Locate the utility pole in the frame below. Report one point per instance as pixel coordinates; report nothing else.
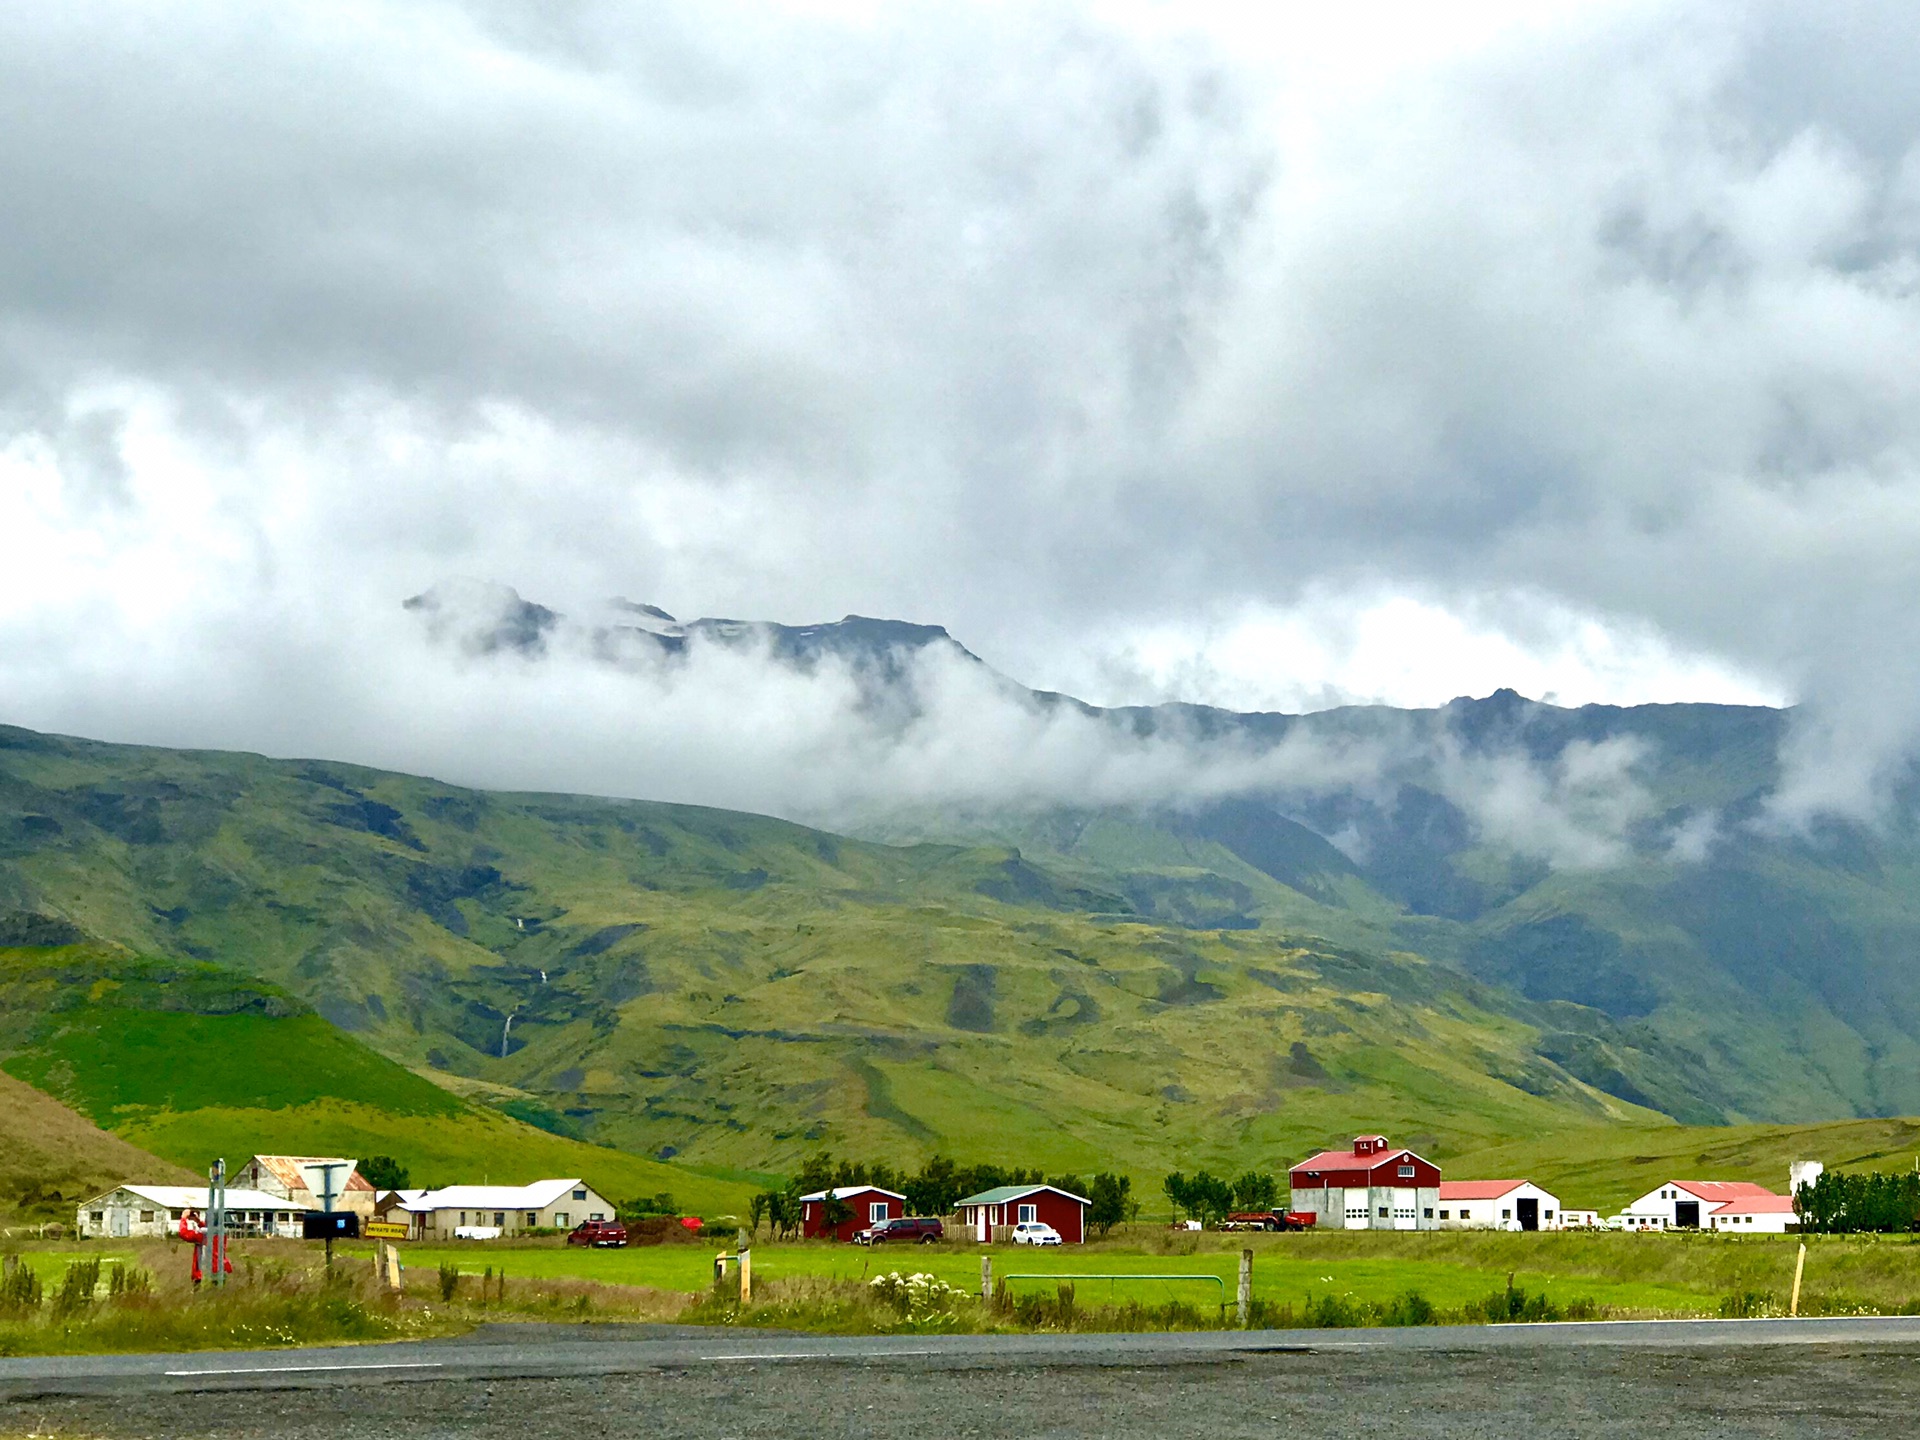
(213, 1244)
(327, 1192)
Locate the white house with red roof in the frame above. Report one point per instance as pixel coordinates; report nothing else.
(1497, 1205)
(1372, 1186)
(1755, 1215)
(1689, 1204)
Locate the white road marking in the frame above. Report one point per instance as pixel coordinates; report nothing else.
(309, 1369)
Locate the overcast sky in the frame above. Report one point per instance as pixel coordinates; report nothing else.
(1270, 355)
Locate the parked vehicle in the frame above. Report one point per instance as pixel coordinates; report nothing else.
(602, 1234)
(920, 1229)
(1035, 1232)
(1270, 1220)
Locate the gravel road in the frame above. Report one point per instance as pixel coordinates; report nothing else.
(1460, 1383)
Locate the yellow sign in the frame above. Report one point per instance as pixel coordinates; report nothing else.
(384, 1230)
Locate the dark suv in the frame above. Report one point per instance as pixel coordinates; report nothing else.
(606, 1234)
(923, 1228)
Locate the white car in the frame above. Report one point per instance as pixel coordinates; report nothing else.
(1035, 1232)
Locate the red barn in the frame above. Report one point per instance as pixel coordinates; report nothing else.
(1373, 1186)
(1066, 1212)
(866, 1205)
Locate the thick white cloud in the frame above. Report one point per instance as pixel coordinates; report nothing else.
(1269, 355)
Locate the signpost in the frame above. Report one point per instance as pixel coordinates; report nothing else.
(327, 1192)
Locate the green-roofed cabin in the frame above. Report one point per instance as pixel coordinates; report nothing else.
(991, 1214)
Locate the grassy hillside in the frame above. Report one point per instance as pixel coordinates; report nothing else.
(736, 991)
(51, 1157)
(185, 1061)
(1221, 987)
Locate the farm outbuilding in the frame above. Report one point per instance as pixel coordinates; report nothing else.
(1687, 1204)
(154, 1212)
(487, 1212)
(866, 1205)
(1498, 1205)
(989, 1214)
(1372, 1186)
(1755, 1215)
(303, 1179)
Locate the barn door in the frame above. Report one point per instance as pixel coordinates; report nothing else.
(1686, 1214)
(1529, 1210)
(121, 1221)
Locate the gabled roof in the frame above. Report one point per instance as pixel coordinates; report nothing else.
(841, 1192)
(286, 1169)
(536, 1196)
(1005, 1194)
(194, 1197)
(1757, 1205)
(1353, 1160)
(1479, 1189)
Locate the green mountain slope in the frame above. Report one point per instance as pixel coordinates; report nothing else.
(734, 990)
(188, 1060)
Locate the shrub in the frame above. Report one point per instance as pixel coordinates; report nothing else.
(449, 1279)
(918, 1297)
(19, 1287)
(77, 1289)
(1748, 1305)
(130, 1282)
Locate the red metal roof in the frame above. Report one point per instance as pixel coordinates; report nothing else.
(1757, 1205)
(1478, 1189)
(1720, 1191)
(1349, 1160)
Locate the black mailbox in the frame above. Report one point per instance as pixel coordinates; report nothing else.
(330, 1225)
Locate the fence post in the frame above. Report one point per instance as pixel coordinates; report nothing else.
(986, 1277)
(1245, 1295)
(1799, 1265)
(746, 1275)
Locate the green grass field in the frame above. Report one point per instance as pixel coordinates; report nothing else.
(1627, 1274)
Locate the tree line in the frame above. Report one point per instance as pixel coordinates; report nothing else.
(1876, 1200)
(1210, 1198)
(935, 1189)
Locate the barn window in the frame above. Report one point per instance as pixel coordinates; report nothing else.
(1549, 1214)
(580, 1194)
(1383, 1212)
(99, 1217)
(1465, 1216)
(876, 1211)
(1427, 1213)
(146, 1217)
(1029, 1213)
(1406, 1172)
(1506, 1214)
(1445, 1216)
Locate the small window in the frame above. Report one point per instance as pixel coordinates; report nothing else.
(146, 1217)
(99, 1217)
(499, 1217)
(560, 1218)
(1506, 1214)
(876, 1211)
(1029, 1213)
(1548, 1214)
(532, 1219)
(463, 1217)
(1383, 1212)
(1464, 1215)
(1445, 1216)
(580, 1194)
(598, 1215)
(1406, 1172)
(1428, 1213)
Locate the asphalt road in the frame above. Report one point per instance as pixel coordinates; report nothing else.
(1757, 1378)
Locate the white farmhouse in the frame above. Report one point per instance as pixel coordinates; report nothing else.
(155, 1211)
(1497, 1205)
(1687, 1204)
(486, 1212)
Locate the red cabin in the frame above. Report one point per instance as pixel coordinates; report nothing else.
(866, 1205)
(1007, 1206)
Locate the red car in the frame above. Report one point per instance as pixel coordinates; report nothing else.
(605, 1234)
